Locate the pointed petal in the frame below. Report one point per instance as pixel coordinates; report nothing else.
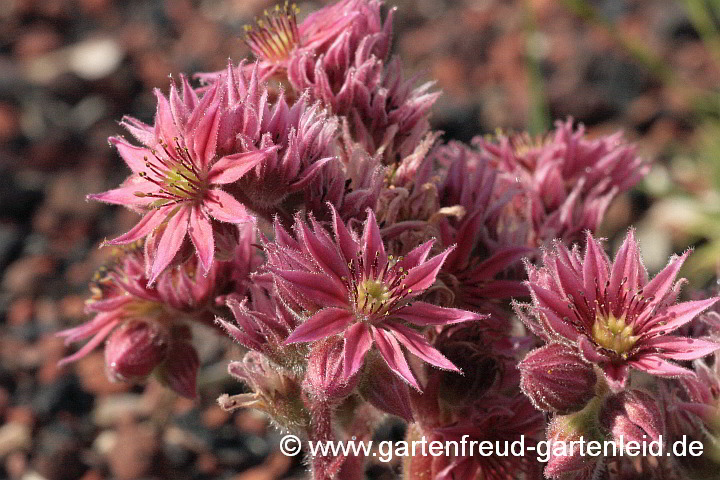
(310, 173)
(318, 288)
(674, 317)
(422, 314)
(323, 324)
(663, 281)
(324, 253)
(201, 234)
(170, 242)
(126, 195)
(134, 157)
(420, 347)
(90, 346)
(147, 224)
(224, 208)
(421, 277)
(143, 132)
(681, 348)
(556, 325)
(205, 131)
(416, 256)
(595, 268)
(372, 244)
(552, 301)
(625, 267)
(392, 352)
(656, 365)
(348, 245)
(231, 168)
(357, 343)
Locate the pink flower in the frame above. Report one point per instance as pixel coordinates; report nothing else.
(276, 38)
(263, 323)
(338, 55)
(568, 180)
(611, 313)
(298, 139)
(484, 265)
(145, 325)
(350, 286)
(177, 177)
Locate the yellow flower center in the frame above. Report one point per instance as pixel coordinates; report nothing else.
(613, 333)
(372, 295)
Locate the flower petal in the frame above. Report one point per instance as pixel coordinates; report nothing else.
(147, 224)
(317, 287)
(422, 314)
(663, 281)
(673, 317)
(323, 251)
(419, 346)
(323, 324)
(421, 277)
(135, 157)
(345, 240)
(416, 256)
(590, 351)
(231, 168)
(201, 234)
(170, 242)
(223, 207)
(595, 268)
(656, 365)
(681, 348)
(372, 245)
(357, 343)
(90, 345)
(392, 352)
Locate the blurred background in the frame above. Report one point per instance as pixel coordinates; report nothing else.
(69, 70)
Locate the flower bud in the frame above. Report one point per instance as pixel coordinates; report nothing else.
(275, 391)
(633, 414)
(135, 349)
(325, 377)
(556, 379)
(564, 434)
(179, 371)
(384, 390)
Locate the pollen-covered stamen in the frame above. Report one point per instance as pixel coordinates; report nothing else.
(176, 175)
(372, 295)
(274, 35)
(613, 333)
(381, 291)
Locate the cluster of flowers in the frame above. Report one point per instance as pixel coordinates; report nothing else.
(301, 205)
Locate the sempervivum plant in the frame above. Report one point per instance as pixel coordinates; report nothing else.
(300, 204)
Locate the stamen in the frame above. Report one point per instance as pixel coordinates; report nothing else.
(276, 33)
